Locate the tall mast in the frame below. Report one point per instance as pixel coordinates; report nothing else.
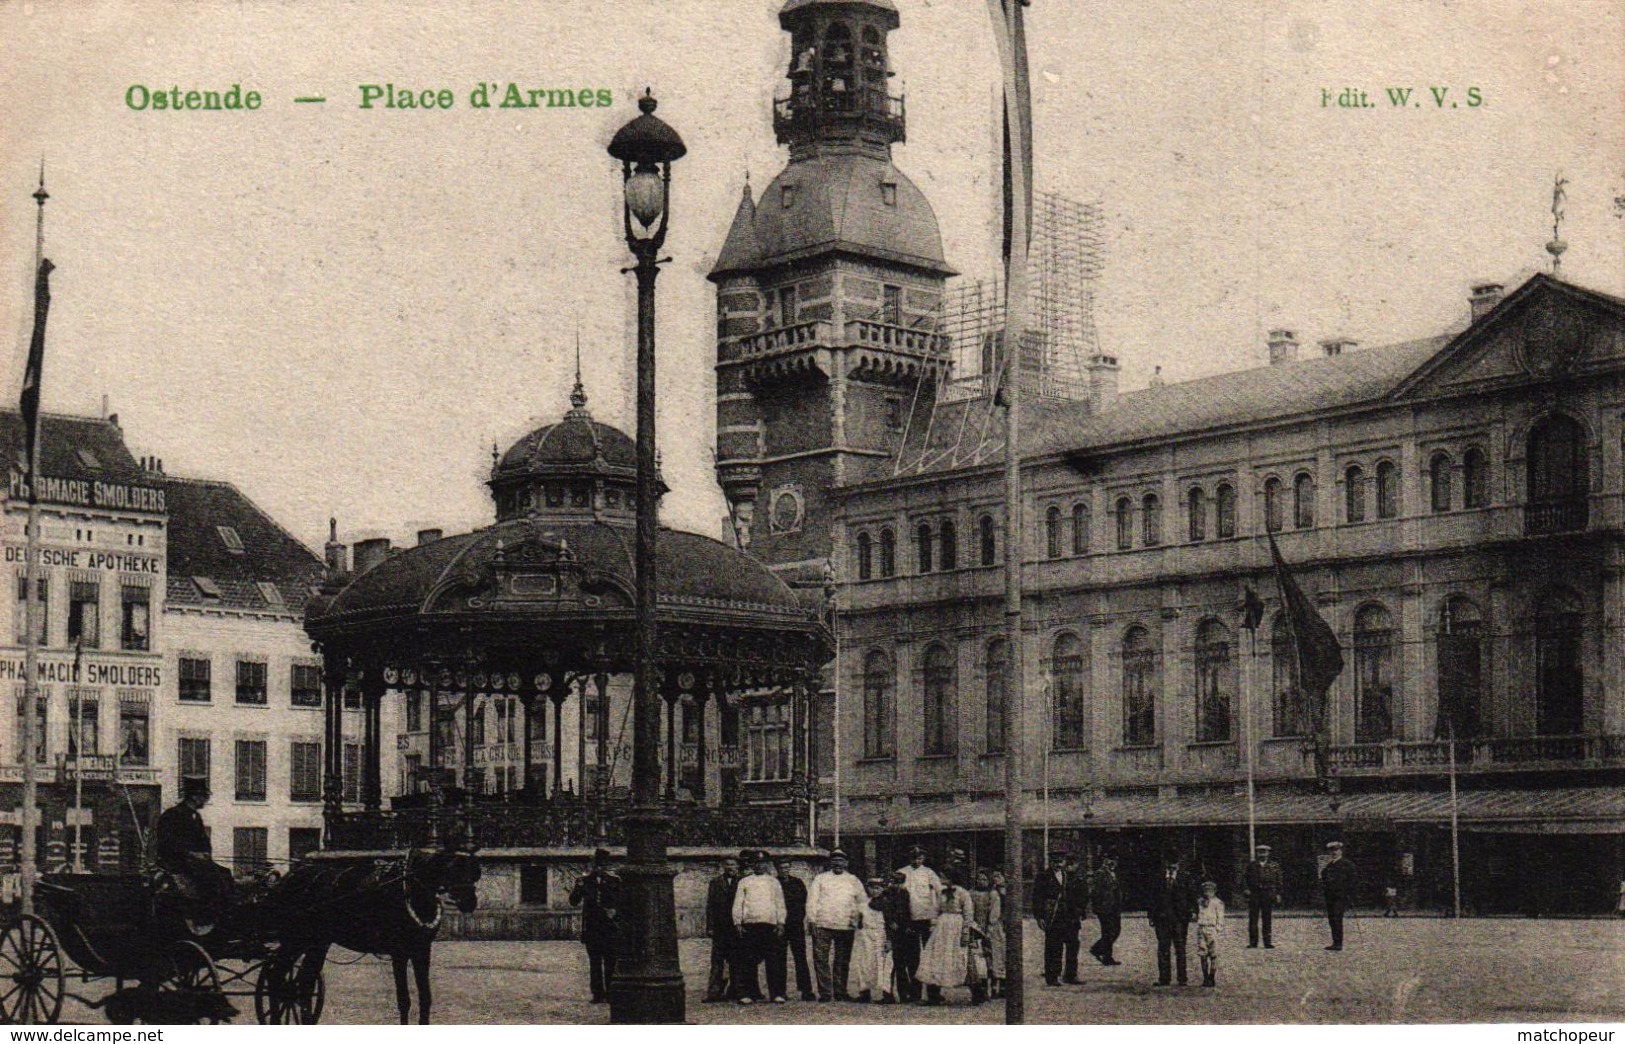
(27, 863)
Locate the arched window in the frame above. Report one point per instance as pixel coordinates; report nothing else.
(1373, 675)
(1151, 506)
(1196, 513)
(922, 547)
(1475, 478)
(1559, 670)
(1303, 501)
(878, 690)
(1354, 494)
(1140, 685)
(1125, 524)
(1387, 489)
(1224, 511)
(948, 536)
(866, 556)
(988, 539)
(1460, 669)
(1215, 682)
(888, 553)
(1080, 529)
(1439, 482)
(937, 687)
(1052, 532)
(1291, 714)
(998, 685)
(1272, 504)
(1066, 694)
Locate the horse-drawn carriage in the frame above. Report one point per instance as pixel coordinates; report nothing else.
(167, 966)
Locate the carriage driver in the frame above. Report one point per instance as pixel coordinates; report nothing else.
(184, 849)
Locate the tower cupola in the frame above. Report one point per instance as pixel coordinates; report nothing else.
(840, 95)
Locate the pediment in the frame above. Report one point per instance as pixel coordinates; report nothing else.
(1544, 331)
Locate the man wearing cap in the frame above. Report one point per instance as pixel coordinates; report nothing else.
(1337, 879)
(834, 910)
(598, 893)
(758, 913)
(795, 926)
(719, 926)
(1106, 896)
(922, 886)
(183, 848)
(1174, 901)
(1263, 887)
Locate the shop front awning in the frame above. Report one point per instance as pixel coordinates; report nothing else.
(1566, 810)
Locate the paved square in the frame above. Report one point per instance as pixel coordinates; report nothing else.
(1397, 970)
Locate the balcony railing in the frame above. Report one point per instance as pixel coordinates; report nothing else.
(831, 109)
(800, 335)
(1480, 755)
(885, 335)
(565, 825)
(1568, 515)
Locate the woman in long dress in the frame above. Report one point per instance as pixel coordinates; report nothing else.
(947, 957)
(987, 906)
(871, 972)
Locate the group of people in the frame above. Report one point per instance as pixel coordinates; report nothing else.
(886, 940)
(911, 935)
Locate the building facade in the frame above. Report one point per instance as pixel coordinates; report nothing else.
(1452, 505)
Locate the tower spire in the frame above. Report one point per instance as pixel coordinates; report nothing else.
(40, 196)
(578, 394)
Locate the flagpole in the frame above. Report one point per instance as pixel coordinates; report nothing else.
(1251, 741)
(27, 863)
(1009, 35)
(1455, 828)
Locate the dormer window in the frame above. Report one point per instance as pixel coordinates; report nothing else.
(269, 592)
(88, 459)
(207, 587)
(787, 196)
(229, 537)
(888, 193)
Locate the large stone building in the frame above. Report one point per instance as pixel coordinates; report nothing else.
(1453, 506)
(170, 643)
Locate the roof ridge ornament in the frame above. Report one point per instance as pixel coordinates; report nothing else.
(578, 394)
(1555, 246)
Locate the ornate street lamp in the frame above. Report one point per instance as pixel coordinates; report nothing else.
(648, 984)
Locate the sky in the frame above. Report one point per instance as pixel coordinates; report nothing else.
(340, 310)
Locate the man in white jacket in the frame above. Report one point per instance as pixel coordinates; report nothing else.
(835, 905)
(759, 915)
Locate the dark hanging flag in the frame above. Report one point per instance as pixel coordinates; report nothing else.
(1252, 609)
(1320, 658)
(36, 363)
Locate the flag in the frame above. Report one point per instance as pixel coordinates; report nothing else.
(1320, 658)
(29, 403)
(1252, 609)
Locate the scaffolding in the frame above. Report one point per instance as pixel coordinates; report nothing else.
(960, 426)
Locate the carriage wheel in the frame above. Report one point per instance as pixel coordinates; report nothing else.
(282, 994)
(31, 979)
(188, 969)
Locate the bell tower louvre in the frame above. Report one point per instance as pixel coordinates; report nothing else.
(829, 293)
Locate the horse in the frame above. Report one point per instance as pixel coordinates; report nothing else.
(391, 907)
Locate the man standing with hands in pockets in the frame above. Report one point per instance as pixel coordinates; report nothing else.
(759, 916)
(835, 905)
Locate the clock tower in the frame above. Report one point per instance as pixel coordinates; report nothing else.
(829, 291)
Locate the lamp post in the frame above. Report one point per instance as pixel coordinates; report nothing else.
(648, 984)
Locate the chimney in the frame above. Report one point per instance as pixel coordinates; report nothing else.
(1102, 382)
(1338, 345)
(1156, 378)
(1283, 347)
(335, 551)
(1484, 297)
(429, 536)
(369, 553)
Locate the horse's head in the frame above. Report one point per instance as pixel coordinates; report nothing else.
(451, 872)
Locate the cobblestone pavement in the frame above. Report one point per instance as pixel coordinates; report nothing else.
(1396, 970)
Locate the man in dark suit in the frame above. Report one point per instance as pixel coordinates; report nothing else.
(795, 927)
(1262, 883)
(1337, 879)
(1106, 896)
(598, 893)
(1173, 906)
(719, 926)
(1077, 908)
(1053, 895)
